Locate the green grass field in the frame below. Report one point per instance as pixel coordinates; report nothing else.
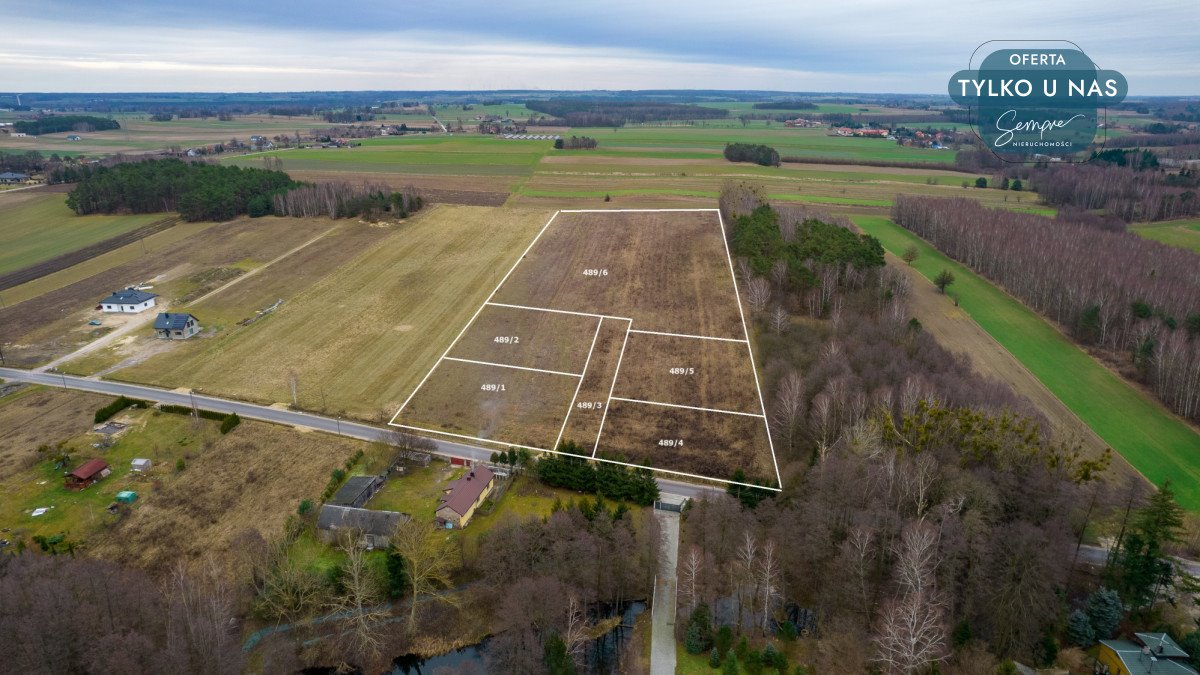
(1154, 441)
(1181, 233)
(37, 227)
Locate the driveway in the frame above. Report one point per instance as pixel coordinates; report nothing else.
(662, 626)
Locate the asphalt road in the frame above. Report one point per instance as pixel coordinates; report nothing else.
(662, 626)
(293, 418)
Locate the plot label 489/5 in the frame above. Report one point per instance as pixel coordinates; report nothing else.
(681, 370)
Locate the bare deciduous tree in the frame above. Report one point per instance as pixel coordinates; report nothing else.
(430, 556)
(691, 570)
(359, 600)
(779, 320)
(758, 294)
(769, 582)
(789, 406)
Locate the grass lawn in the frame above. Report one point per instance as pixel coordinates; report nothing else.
(35, 227)
(1155, 442)
(416, 492)
(1180, 233)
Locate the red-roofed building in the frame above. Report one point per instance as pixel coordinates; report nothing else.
(463, 496)
(89, 472)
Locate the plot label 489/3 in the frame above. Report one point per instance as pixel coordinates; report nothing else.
(590, 405)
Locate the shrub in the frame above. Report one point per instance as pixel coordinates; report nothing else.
(231, 420)
(981, 182)
(695, 641)
(104, 414)
(1079, 629)
(180, 464)
(305, 507)
(724, 639)
(762, 155)
(730, 667)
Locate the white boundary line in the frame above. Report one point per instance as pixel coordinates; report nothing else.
(571, 405)
(488, 301)
(687, 407)
(475, 316)
(749, 348)
(613, 386)
(557, 311)
(594, 459)
(505, 365)
(684, 335)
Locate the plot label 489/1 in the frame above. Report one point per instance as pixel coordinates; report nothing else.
(491, 386)
(507, 339)
(595, 272)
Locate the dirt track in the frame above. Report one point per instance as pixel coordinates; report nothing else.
(955, 330)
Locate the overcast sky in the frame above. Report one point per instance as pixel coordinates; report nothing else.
(795, 45)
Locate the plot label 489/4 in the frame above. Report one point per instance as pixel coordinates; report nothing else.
(671, 442)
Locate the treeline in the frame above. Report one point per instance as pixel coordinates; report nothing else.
(794, 104)
(929, 500)
(606, 479)
(53, 124)
(343, 200)
(196, 190)
(64, 614)
(800, 250)
(1111, 289)
(788, 159)
(575, 143)
(1124, 191)
(748, 152)
(591, 113)
(24, 162)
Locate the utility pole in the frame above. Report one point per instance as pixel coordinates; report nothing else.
(339, 425)
(195, 411)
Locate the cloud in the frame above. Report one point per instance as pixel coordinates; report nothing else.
(227, 45)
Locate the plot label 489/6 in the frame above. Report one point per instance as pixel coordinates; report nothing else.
(595, 272)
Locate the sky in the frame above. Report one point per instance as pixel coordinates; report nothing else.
(786, 45)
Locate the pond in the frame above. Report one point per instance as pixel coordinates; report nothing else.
(603, 654)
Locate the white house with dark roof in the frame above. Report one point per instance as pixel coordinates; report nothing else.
(128, 301)
(176, 326)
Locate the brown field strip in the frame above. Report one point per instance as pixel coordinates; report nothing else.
(522, 337)
(666, 270)
(642, 303)
(486, 402)
(687, 441)
(688, 371)
(583, 422)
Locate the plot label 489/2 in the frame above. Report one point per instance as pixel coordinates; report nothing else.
(507, 339)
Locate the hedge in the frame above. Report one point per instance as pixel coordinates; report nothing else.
(228, 420)
(104, 414)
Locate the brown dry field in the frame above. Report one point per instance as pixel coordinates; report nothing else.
(715, 445)
(955, 330)
(33, 416)
(529, 411)
(583, 424)
(461, 189)
(55, 323)
(252, 478)
(721, 380)
(545, 340)
(668, 271)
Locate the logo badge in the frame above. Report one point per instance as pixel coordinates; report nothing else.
(1038, 103)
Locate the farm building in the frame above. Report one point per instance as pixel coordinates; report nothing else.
(376, 527)
(176, 326)
(12, 178)
(1149, 653)
(141, 465)
(129, 301)
(89, 472)
(357, 491)
(464, 496)
(74, 137)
